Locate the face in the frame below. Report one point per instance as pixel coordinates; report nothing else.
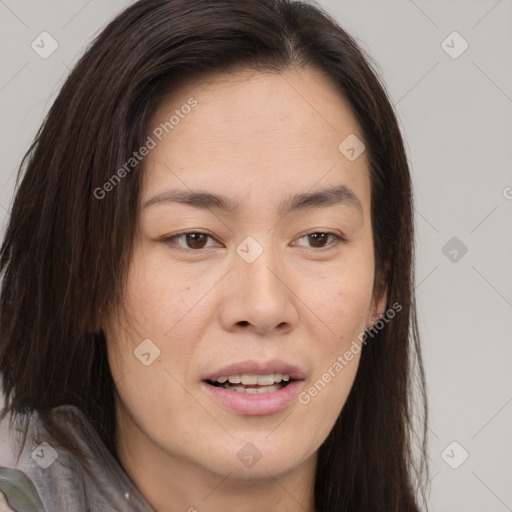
(272, 281)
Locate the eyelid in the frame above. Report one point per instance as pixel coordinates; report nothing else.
(339, 239)
(169, 239)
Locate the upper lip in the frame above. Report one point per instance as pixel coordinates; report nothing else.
(253, 367)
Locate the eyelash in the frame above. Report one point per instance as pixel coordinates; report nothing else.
(170, 240)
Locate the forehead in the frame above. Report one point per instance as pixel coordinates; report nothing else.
(267, 131)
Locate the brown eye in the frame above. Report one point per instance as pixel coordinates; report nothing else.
(193, 241)
(196, 240)
(318, 240)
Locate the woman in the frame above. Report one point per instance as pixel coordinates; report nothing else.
(207, 301)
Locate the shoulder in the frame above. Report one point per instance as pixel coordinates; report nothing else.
(31, 477)
(17, 492)
(64, 481)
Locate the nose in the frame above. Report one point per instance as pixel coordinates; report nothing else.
(259, 296)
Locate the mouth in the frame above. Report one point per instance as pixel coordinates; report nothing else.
(251, 388)
(252, 383)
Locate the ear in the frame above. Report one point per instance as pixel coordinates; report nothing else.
(377, 305)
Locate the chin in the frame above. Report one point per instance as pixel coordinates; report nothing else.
(246, 461)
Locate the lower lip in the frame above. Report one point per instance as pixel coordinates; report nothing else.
(257, 404)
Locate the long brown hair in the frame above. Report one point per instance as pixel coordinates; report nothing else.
(65, 252)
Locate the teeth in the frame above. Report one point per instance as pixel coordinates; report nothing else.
(251, 379)
(252, 391)
(247, 379)
(265, 380)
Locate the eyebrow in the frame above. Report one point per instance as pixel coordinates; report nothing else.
(331, 196)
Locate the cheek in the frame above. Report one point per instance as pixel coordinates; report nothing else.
(158, 307)
(159, 296)
(340, 299)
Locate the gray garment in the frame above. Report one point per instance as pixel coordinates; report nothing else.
(47, 478)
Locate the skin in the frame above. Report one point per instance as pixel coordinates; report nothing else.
(256, 138)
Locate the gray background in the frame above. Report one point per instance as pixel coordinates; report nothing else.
(456, 116)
